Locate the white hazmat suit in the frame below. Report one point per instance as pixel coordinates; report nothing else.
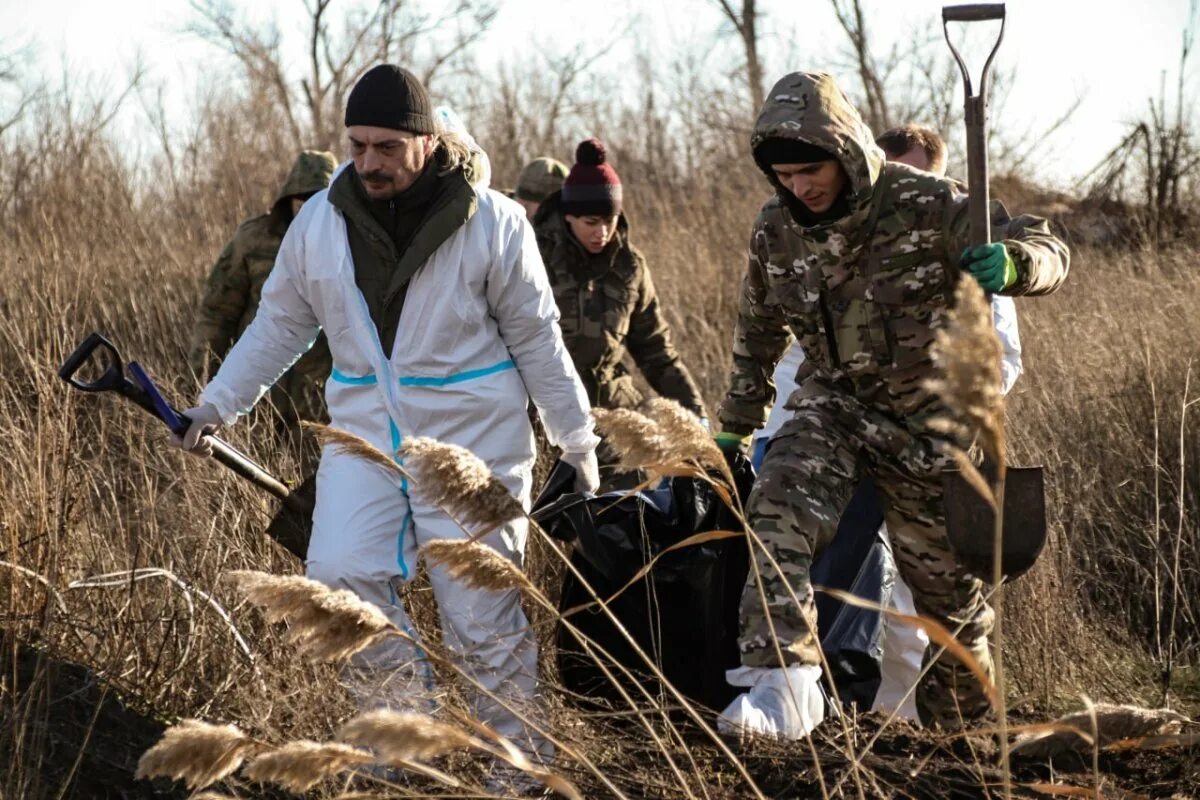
(478, 336)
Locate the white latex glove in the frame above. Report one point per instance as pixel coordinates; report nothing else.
(205, 419)
(786, 703)
(587, 470)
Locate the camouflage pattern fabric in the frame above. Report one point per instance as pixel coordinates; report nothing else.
(539, 179)
(234, 287)
(864, 296)
(810, 472)
(609, 308)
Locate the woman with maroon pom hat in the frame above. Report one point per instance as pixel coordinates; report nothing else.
(604, 292)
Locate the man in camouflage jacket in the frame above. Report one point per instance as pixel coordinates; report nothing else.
(235, 284)
(858, 260)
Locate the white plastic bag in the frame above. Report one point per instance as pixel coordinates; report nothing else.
(784, 702)
(903, 651)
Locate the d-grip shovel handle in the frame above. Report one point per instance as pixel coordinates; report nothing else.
(975, 108)
(973, 12)
(113, 380)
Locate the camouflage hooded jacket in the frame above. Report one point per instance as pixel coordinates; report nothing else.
(865, 293)
(608, 307)
(235, 283)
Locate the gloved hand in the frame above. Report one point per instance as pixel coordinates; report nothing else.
(731, 443)
(587, 470)
(205, 419)
(992, 266)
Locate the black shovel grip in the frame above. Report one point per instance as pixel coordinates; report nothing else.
(108, 381)
(973, 12)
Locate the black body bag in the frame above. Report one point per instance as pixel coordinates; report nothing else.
(683, 613)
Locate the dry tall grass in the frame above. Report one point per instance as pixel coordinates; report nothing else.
(93, 242)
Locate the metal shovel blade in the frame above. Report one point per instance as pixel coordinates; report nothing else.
(970, 522)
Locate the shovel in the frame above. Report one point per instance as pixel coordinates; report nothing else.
(970, 519)
(291, 527)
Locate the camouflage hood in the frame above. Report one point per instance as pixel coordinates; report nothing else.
(811, 108)
(310, 174)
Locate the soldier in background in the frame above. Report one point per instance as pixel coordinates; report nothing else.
(859, 260)
(538, 180)
(235, 284)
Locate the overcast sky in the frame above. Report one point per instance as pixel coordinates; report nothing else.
(1110, 52)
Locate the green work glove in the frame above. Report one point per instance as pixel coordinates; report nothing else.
(991, 265)
(731, 443)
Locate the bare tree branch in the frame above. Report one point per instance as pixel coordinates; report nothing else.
(746, 23)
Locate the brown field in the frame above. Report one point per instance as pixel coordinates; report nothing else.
(95, 242)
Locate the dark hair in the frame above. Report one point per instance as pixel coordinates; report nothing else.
(899, 141)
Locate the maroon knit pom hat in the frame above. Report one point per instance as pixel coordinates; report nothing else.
(592, 187)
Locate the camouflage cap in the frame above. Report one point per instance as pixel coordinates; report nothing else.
(310, 174)
(540, 178)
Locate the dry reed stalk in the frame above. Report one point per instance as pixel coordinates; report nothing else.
(456, 479)
(399, 737)
(325, 624)
(640, 442)
(196, 753)
(968, 355)
(683, 429)
(475, 564)
(298, 766)
(1111, 723)
(352, 445)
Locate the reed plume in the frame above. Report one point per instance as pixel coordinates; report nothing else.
(325, 624)
(298, 766)
(352, 445)
(968, 356)
(685, 432)
(456, 479)
(475, 564)
(400, 737)
(196, 753)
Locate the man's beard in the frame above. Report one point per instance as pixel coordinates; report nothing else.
(384, 190)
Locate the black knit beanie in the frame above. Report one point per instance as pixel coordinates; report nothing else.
(789, 151)
(388, 96)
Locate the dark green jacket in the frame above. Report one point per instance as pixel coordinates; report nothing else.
(390, 240)
(609, 308)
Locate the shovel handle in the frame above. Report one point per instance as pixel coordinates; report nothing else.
(242, 466)
(146, 397)
(973, 12)
(975, 108)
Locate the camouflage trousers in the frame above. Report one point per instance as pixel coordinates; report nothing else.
(807, 479)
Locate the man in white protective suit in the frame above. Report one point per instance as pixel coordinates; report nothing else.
(441, 323)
